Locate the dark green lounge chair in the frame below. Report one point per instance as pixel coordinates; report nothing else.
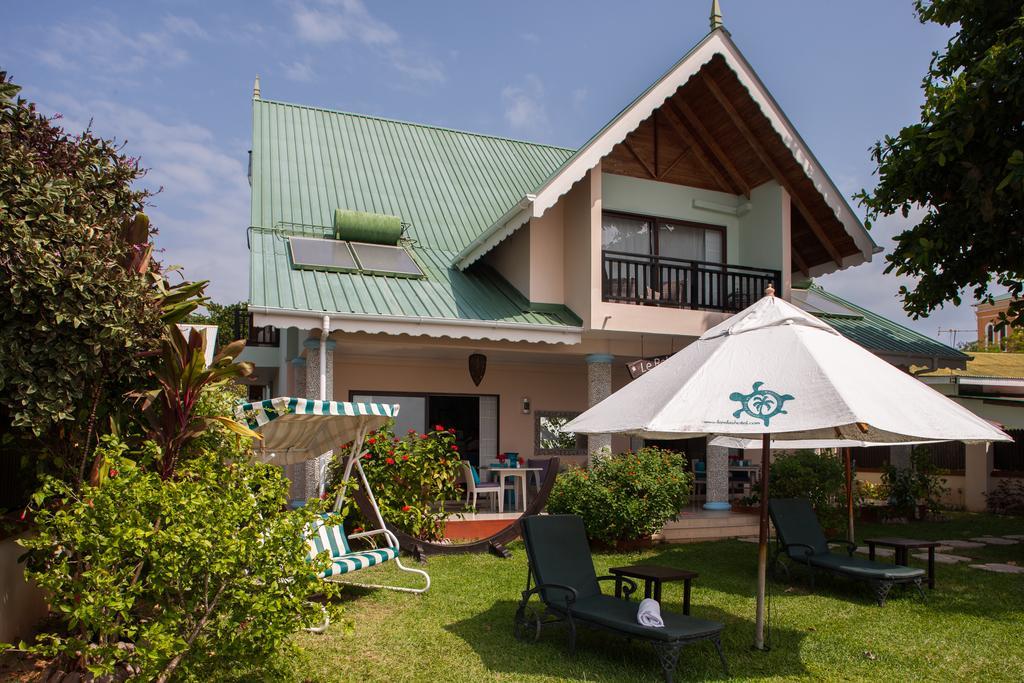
(562, 574)
(800, 538)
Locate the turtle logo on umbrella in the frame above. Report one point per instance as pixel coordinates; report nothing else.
(762, 404)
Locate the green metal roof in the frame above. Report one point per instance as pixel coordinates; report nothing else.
(449, 186)
(443, 292)
(878, 334)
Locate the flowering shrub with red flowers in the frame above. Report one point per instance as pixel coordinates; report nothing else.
(411, 478)
(626, 496)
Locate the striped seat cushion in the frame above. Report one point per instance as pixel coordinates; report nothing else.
(326, 538)
(353, 562)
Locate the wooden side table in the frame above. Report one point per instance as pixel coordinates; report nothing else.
(903, 546)
(653, 575)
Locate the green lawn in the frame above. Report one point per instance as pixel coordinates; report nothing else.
(971, 628)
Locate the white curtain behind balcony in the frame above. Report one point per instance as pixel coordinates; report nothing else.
(632, 235)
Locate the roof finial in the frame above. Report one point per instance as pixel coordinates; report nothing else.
(256, 88)
(769, 290)
(716, 16)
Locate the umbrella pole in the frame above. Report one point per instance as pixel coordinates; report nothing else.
(762, 544)
(849, 495)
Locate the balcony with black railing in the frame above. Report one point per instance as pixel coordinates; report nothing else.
(268, 335)
(651, 280)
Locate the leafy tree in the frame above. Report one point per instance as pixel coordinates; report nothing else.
(963, 164)
(221, 315)
(77, 310)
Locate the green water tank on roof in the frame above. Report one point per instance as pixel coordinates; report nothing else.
(360, 226)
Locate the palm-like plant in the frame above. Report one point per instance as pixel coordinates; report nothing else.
(182, 375)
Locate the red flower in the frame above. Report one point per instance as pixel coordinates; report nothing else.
(406, 508)
(397, 440)
(443, 461)
(391, 451)
(454, 447)
(438, 428)
(412, 431)
(24, 513)
(113, 473)
(371, 440)
(390, 461)
(451, 430)
(366, 456)
(358, 530)
(405, 457)
(424, 436)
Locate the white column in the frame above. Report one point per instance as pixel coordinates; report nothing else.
(717, 468)
(312, 346)
(599, 387)
(978, 462)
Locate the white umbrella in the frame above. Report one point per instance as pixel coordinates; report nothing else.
(772, 369)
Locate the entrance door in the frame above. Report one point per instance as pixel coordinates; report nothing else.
(463, 414)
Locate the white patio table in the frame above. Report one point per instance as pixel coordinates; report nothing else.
(505, 472)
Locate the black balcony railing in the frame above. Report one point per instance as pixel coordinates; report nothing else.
(268, 335)
(649, 280)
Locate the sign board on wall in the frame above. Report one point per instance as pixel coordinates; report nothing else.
(644, 365)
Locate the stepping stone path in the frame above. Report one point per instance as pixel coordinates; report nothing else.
(879, 552)
(1016, 537)
(963, 545)
(944, 558)
(999, 568)
(995, 540)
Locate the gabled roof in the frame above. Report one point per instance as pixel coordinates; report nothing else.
(875, 333)
(447, 185)
(716, 44)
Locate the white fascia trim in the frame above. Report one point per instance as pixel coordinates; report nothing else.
(992, 381)
(513, 219)
(417, 326)
(717, 42)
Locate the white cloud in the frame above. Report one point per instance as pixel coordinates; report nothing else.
(202, 211)
(579, 97)
(301, 72)
(524, 106)
(530, 37)
(324, 22)
(341, 20)
(102, 47)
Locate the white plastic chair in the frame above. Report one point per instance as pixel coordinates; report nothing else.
(473, 489)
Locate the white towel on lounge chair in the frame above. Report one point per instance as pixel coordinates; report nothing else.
(649, 614)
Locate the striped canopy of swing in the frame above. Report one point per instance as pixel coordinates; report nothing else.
(299, 429)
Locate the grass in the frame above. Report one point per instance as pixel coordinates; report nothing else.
(969, 629)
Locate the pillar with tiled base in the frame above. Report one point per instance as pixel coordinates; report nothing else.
(599, 387)
(297, 473)
(314, 467)
(717, 469)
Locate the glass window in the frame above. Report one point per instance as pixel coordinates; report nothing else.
(552, 439)
(412, 411)
(690, 242)
(623, 233)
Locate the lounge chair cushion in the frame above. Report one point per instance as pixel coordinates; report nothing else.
(325, 537)
(355, 561)
(865, 569)
(797, 526)
(559, 554)
(620, 615)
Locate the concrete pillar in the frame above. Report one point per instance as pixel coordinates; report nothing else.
(312, 347)
(599, 387)
(977, 475)
(717, 467)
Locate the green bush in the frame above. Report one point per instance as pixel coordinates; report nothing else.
(817, 477)
(411, 477)
(920, 484)
(624, 497)
(200, 575)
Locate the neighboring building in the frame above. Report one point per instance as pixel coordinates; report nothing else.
(992, 387)
(987, 316)
(558, 266)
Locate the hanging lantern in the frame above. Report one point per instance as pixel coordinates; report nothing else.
(477, 367)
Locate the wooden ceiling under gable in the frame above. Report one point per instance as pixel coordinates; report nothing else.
(711, 134)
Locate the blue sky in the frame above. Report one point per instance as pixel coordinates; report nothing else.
(175, 78)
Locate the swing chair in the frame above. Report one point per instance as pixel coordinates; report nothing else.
(296, 430)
